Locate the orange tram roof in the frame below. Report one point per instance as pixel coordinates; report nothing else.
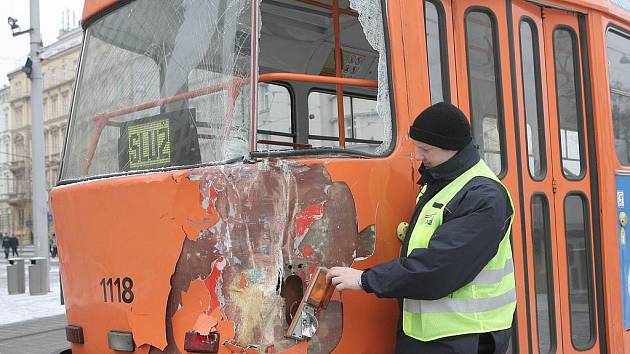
(617, 8)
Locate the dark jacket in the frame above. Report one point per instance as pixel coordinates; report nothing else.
(474, 223)
(13, 242)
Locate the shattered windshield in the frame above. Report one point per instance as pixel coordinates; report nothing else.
(162, 83)
(167, 83)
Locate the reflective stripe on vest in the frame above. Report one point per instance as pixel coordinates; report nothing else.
(491, 276)
(460, 305)
(485, 304)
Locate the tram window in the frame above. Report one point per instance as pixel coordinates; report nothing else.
(619, 80)
(435, 27)
(568, 96)
(531, 97)
(274, 116)
(200, 64)
(485, 112)
(364, 129)
(543, 273)
(576, 223)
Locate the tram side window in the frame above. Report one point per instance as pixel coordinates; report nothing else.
(364, 129)
(275, 124)
(619, 80)
(485, 110)
(568, 96)
(435, 27)
(533, 107)
(298, 43)
(579, 261)
(543, 274)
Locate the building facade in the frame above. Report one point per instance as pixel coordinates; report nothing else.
(5, 158)
(59, 63)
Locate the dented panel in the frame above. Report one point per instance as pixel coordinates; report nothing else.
(274, 220)
(224, 248)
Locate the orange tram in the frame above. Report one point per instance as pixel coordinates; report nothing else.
(207, 175)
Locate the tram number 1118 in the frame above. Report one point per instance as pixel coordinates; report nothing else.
(123, 290)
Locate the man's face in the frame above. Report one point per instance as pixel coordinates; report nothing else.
(430, 155)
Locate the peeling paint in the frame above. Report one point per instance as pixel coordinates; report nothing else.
(367, 243)
(273, 220)
(214, 282)
(303, 221)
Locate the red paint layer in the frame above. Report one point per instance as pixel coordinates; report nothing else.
(211, 282)
(306, 217)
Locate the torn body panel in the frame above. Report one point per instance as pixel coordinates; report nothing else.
(276, 223)
(227, 249)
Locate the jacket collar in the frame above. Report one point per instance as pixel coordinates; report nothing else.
(452, 168)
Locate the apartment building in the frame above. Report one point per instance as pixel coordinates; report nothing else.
(59, 63)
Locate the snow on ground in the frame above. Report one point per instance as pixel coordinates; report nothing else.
(22, 307)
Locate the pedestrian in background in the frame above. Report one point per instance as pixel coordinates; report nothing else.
(52, 242)
(14, 243)
(5, 245)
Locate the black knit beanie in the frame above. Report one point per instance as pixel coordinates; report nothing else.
(442, 125)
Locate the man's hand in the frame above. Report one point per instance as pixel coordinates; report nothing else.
(343, 278)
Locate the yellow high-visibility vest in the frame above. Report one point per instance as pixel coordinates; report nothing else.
(485, 304)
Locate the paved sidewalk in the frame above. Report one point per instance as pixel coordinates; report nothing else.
(39, 336)
(23, 307)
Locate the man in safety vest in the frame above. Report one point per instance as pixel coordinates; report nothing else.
(455, 275)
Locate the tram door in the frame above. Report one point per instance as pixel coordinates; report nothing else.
(556, 179)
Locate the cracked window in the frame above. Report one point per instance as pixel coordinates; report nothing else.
(162, 83)
(167, 83)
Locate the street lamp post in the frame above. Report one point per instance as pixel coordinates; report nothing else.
(39, 195)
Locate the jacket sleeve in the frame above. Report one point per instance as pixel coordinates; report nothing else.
(457, 252)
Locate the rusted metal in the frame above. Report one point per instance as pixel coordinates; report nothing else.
(276, 223)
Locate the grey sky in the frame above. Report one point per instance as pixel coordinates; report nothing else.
(14, 50)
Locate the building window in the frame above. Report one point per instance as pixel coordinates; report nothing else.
(45, 109)
(53, 107)
(55, 141)
(274, 116)
(19, 149)
(7, 185)
(65, 102)
(54, 174)
(18, 117)
(64, 72)
(486, 113)
(18, 89)
(43, 79)
(53, 76)
(21, 217)
(364, 128)
(435, 27)
(619, 81)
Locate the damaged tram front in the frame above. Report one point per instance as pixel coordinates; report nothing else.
(207, 176)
